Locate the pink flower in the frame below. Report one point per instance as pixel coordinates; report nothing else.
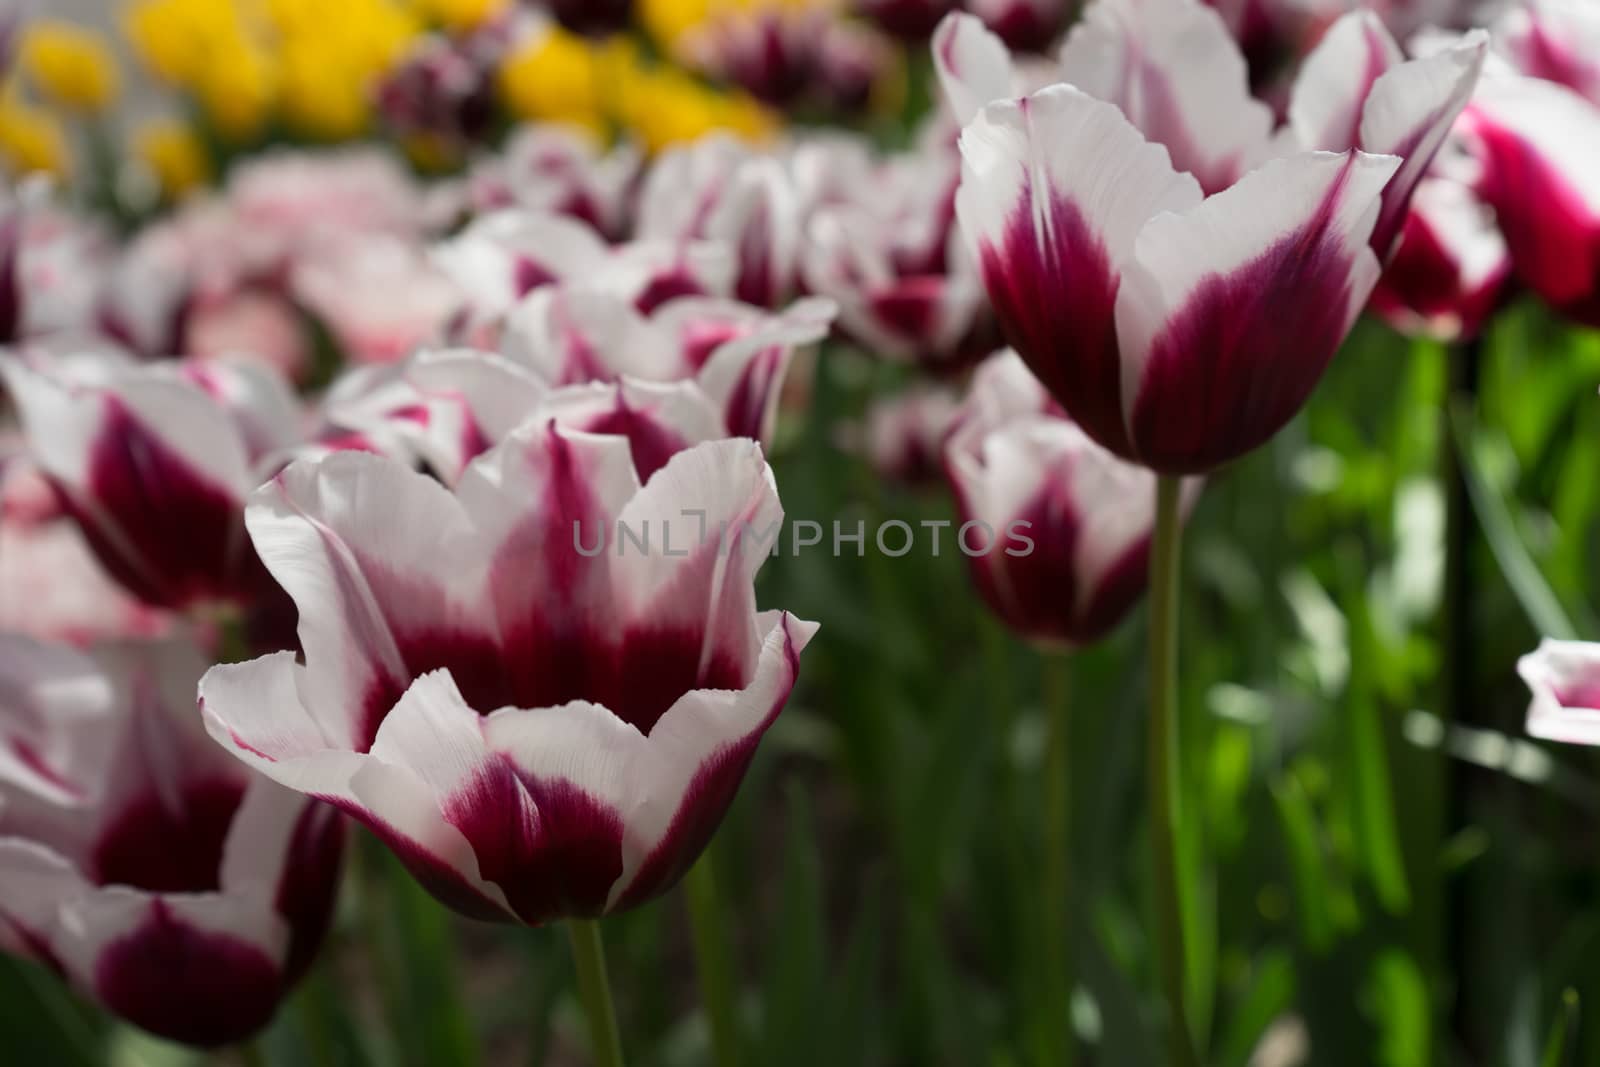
(1564, 677)
(910, 20)
(1067, 524)
(159, 877)
(903, 435)
(52, 266)
(249, 325)
(154, 463)
(536, 731)
(379, 296)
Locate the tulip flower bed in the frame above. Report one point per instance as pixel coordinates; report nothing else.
(794, 532)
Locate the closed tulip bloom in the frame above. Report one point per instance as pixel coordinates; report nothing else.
(539, 729)
(154, 462)
(1451, 269)
(1564, 677)
(1180, 332)
(592, 18)
(1541, 147)
(1068, 523)
(158, 876)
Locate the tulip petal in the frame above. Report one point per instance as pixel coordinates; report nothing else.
(692, 596)
(1055, 189)
(1231, 312)
(659, 419)
(1410, 111)
(699, 751)
(255, 711)
(538, 501)
(1331, 91)
(357, 540)
(1176, 73)
(974, 65)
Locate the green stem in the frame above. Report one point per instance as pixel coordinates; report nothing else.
(1163, 770)
(714, 960)
(595, 988)
(1056, 883)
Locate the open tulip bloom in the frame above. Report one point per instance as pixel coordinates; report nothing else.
(163, 879)
(1181, 330)
(541, 719)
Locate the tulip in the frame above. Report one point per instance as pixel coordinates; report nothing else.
(154, 462)
(736, 354)
(1542, 177)
(1564, 677)
(1070, 544)
(889, 255)
(1155, 315)
(719, 190)
(560, 170)
(441, 92)
(903, 436)
(378, 296)
(158, 876)
(1451, 268)
(536, 731)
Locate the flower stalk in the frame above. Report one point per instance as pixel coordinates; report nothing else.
(594, 987)
(1164, 769)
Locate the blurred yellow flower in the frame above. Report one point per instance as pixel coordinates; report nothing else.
(461, 14)
(176, 39)
(236, 85)
(70, 65)
(665, 106)
(32, 140)
(668, 20)
(173, 152)
(555, 77)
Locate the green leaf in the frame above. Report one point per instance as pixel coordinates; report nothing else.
(796, 974)
(42, 1022)
(1270, 993)
(1543, 608)
(1566, 1023)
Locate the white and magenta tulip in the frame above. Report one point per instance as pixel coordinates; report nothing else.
(1451, 269)
(538, 732)
(718, 189)
(1178, 331)
(155, 462)
(158, 876)
(1068, 523)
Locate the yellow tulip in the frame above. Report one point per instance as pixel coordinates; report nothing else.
(237, 85)
(32, 140)
(70, 65)
(174, 154)
(555, 78)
